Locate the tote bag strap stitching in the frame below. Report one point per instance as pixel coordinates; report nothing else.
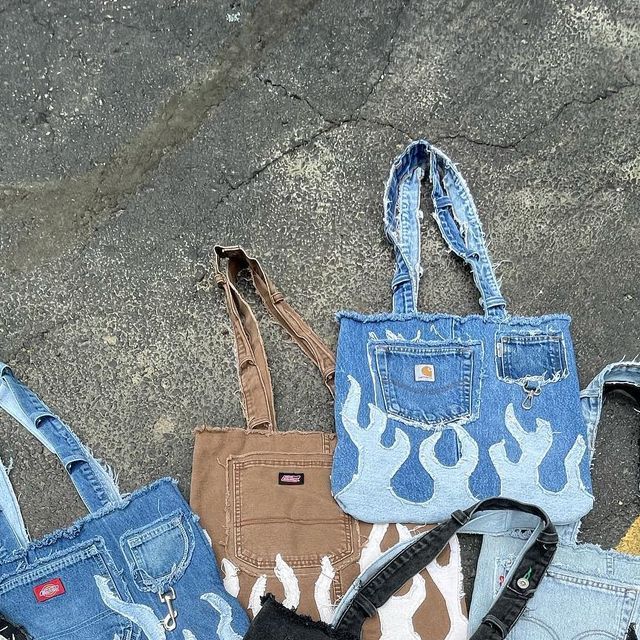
(251, 358)
(247, 333)
(297, 328)
(13, 533)
(456, 215)
(623, 375)
(94, 483)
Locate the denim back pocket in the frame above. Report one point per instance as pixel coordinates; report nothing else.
(427, 384)
(159, 553)
(299, 520)
(592, 608)
(522, 357)
(58, 598)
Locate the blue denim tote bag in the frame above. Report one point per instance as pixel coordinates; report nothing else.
(435, 411)
(138, 567)
(588, 593)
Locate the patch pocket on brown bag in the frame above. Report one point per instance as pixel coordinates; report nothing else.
(282, 504)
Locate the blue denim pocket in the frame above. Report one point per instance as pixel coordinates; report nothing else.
(539, 357)
(53, 589)
(427, 384)
(159, 553)
(597, 607)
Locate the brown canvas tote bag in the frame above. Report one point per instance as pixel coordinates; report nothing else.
(264, 496)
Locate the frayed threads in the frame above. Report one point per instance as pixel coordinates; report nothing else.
(431, 317)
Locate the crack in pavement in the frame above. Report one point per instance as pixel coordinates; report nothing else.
(64, 214)
(294, 96)
(381, 75)
(389, 55)
(603, 94)
(356, 117)
(331, 125)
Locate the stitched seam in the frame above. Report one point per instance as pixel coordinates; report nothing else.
(408, 416)
(301, 561)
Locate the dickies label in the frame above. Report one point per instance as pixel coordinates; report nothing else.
(292, 479)
(48, 590)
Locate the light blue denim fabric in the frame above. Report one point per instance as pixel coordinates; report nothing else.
(434, 411)
(138, 567)
(588, 593)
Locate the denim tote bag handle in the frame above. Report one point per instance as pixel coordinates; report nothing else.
(13, 533)
(93, 482)
(384, 577)
(255, 379)
(621, 376)
(457, 218)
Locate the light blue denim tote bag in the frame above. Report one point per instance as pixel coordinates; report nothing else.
(435, 411)
(588, 593)
(138, 567)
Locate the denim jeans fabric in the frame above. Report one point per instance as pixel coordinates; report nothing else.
(437, 411)
(137, 567)
(391, 571)
(588, 592)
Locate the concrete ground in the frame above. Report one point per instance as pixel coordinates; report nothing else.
(136, 135)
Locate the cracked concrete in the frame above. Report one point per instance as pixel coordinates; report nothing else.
(137, 136)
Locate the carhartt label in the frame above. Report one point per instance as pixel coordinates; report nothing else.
(425, 373)
(291, 478)
(48, 590)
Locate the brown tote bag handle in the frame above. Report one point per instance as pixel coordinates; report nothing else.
(253, 368)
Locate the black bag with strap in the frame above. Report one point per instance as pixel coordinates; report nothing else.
(9, 632)
(388, 574)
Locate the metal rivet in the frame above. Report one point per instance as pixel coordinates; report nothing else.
(523, 583)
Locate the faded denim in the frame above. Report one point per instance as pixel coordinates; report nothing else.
(588, 592)
(435, 411)
(138, 567)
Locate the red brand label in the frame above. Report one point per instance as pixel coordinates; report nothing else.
(48, 590)
(291, 478)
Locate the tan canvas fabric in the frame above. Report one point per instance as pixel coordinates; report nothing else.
(264, 496)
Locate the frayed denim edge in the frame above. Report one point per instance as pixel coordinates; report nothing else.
(74, 530)
(430, 317)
